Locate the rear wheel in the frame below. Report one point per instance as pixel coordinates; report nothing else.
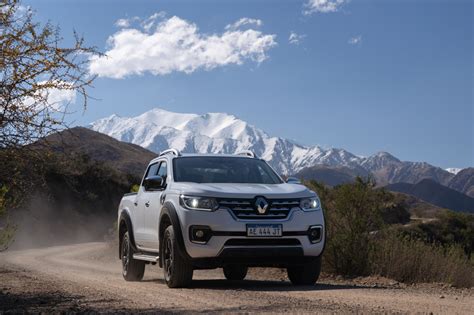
(235, 272)
(178, 272)
(305, 274)
(132, 269)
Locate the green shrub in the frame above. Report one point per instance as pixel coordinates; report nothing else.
(447, 228)
(6, 228)
(3, 201)
(352, 213)
(361, 240)
(135, 188)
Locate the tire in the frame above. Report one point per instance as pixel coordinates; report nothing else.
(178, 272)
(305, 274)
(132, 269)
(235, 272)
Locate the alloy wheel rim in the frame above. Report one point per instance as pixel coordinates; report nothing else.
(125, 255)
(168, 255)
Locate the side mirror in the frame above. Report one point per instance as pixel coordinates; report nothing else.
(153, 183)
(293, 180)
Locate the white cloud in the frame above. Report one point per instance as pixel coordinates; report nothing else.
(22, 9)
(148, 23)
(356, 40)
(243, 22)
(177, 45)
(54, 98)
(295, 38)
(122, 23)
(19, 11)
(57, 98)
(322, 6)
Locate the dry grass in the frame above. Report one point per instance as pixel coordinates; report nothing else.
(411, 261)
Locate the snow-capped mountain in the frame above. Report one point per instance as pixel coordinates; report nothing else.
(453, 170)
(159, 129)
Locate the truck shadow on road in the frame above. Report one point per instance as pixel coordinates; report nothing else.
(40, 303)
(265, 285)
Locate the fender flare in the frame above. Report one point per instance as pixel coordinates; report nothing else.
(325, 233)
(125, 218)
(169, 210)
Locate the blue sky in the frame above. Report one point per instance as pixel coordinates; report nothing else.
(366, 76)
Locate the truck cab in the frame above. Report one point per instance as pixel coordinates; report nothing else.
(204, 211)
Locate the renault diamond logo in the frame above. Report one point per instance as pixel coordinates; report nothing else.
(262, 205)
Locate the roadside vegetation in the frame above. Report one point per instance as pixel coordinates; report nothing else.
(369, 233)
(7, 228)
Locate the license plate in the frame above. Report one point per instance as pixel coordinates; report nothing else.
(264, 230)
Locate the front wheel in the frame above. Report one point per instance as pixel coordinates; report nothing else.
(235, 272)
(305, 274)
(132, 269)
(178, 272)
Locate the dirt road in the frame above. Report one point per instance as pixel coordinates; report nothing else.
(87, 277)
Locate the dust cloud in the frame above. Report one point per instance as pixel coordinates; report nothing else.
(44, 222)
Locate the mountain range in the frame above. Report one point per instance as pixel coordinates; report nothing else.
(436, 194)
(130, 160)
(159, 129)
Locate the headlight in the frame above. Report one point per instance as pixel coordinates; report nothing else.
(198, 203)
(310, 204)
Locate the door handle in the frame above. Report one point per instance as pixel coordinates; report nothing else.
(135, 203)
(147, 204)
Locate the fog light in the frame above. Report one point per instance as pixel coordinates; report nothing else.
(200, 234)
(314, 234)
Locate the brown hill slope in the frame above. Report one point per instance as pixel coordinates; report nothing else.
(434, 193)
(124, 157)
(330, 175)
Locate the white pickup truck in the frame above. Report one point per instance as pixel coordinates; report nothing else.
(202, 211)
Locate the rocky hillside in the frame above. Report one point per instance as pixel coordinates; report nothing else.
(464, 181)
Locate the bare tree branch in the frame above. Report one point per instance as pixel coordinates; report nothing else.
(33, 66)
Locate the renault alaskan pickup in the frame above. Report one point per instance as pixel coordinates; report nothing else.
(203, 211)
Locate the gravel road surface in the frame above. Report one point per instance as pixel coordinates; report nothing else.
(87, 277)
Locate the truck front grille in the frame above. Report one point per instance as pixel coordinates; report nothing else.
(246, 209)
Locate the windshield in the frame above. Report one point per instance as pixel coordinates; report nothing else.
(218, 169)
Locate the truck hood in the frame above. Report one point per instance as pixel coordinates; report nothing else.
(243, 190)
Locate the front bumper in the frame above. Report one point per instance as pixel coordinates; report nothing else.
(263, 257)
(224, 245)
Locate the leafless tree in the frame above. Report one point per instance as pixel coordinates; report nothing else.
(34, 67)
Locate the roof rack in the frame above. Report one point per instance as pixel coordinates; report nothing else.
(173, 151)
(246, 153)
